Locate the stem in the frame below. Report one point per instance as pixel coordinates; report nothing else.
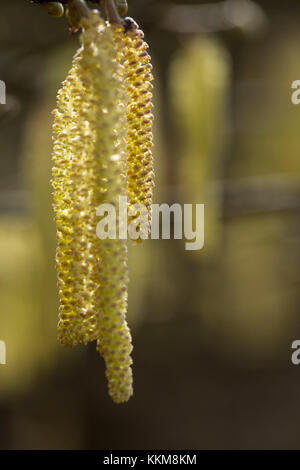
(81, 6)
(112, 12)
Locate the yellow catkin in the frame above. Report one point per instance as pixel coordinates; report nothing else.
(90, 169)
(114, 340)
(137, 64)
(70, 252)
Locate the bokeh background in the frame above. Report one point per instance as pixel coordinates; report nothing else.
(212, 329)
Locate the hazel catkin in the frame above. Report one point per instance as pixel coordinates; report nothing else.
(138, 74)
(102, 135)
(90, 169)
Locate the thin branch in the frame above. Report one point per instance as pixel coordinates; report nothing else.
(112, 12)
(81, 6)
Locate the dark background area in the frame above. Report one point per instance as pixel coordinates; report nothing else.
(213, 329)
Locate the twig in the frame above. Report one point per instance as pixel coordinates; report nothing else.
(112, 12)
(81, 6)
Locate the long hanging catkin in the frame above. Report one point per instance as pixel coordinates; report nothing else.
(102, 150)
(90, 169)
(137, 65)
(69, 246)
(114, 340)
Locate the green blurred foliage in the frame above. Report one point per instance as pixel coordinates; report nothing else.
(245, 300)
(267, 140)
(23, 323)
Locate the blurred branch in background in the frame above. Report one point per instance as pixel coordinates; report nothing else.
(245, 15)
(262, 195)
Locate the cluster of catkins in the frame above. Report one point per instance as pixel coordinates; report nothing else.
(102, 150)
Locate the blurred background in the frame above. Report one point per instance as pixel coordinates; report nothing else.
(212, 330)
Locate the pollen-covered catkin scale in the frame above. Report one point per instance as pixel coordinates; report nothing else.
(90, 169)
(137, 64)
